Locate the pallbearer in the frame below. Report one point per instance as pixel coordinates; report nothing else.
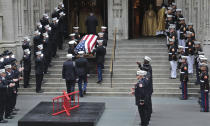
(82, 71)
(69, 73)
(184, 77)
(103, 29)
(77, 34)
(100, 53)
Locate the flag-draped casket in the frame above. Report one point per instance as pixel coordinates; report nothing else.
(87, 44)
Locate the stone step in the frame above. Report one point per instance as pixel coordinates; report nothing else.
(116, 80)
(52, 75)
(114, 85)
(117, 66)
(111, 94)
(107, 89)
(116, 71)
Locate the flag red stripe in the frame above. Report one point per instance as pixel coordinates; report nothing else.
(89, 43)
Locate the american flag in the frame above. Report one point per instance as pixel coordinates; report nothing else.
(87, 44)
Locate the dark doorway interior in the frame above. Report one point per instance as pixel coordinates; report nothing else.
(78, 10)
(137, 9)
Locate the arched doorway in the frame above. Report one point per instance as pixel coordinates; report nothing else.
(78, 10)
(137, 9)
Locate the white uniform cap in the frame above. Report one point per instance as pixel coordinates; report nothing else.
(72, 42)
(170, 8)
(69, 56)
(172, 26)
(62, 13)
(100, 33)
(178, 9)
(147, 58)
(37, 33)
(100, 41)
(54, 19)
(181, 19)
(141, 73)
(184, 57)
(203, 59)
(169, 16)
(26, 50)
(200, 53)
(201, 56)
(45, 34)
(75, 28)
(38, 53)
(81, 52)
(2, 70)
(46, 26)
(8, 66)
(26, 39)
(73, 34)
(174, 4)
(103, 27)
(40, 46)
(197, 42)
(181, 47)
(188, 32)
(45, 15)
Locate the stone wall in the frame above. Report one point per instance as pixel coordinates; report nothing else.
(198, 12)
(18, 19)
(118, 18)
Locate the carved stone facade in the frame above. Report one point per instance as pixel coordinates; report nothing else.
(18, 19)
(118, 18)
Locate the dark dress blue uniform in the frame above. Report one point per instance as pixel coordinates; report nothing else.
(3, 97)
(184, 80)
(37, 41)
(39, 71)
(141, 96)
(27, 69)
(10, 94)
(100, 53)
(148, 68)
(82, 71)
(54, 34)
(69, 74)
(204, 86)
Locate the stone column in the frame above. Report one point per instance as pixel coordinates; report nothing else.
(1, 26)
(118, 18)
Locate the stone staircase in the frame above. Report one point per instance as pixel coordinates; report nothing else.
(127, 53)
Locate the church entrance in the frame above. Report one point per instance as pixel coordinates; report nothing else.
(137, 9)
(78, 10)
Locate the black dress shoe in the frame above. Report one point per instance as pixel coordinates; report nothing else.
(15, 109)
(84, 92)
(40, 91)
(13, 113)
(9, 117)
(81, 95)
(3, 121)
(98, 81)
